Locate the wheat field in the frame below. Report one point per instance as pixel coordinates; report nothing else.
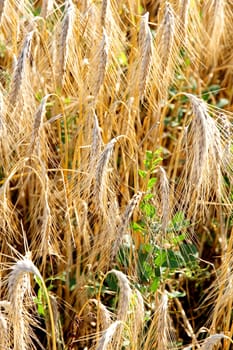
(116, 169)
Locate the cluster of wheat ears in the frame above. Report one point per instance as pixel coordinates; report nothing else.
(86, 88)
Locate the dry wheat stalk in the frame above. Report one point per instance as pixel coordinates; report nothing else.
(146, 51)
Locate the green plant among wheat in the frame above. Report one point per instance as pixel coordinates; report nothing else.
(116, 168)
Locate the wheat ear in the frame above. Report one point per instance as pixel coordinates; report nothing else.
(101, 172)
(19, 72)
(104, 12)
(104, 314)
(167, 35)
(101, 60)
(213, 340)
(107, 336)
(184, 11)
(124, 295)
(146, 48)
(133, 203)
(66, 36)
(17, 284)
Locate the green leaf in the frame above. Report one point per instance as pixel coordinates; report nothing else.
(178, 218)
(147, 247)
(148, 209)
(142, 173)
(137, 227)
(179, 239)
(189, 252)
(161, 258)
(149, 155)
(148, 196)
(174, 259)
(151, 183)
(155, 284)
(156, 162)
